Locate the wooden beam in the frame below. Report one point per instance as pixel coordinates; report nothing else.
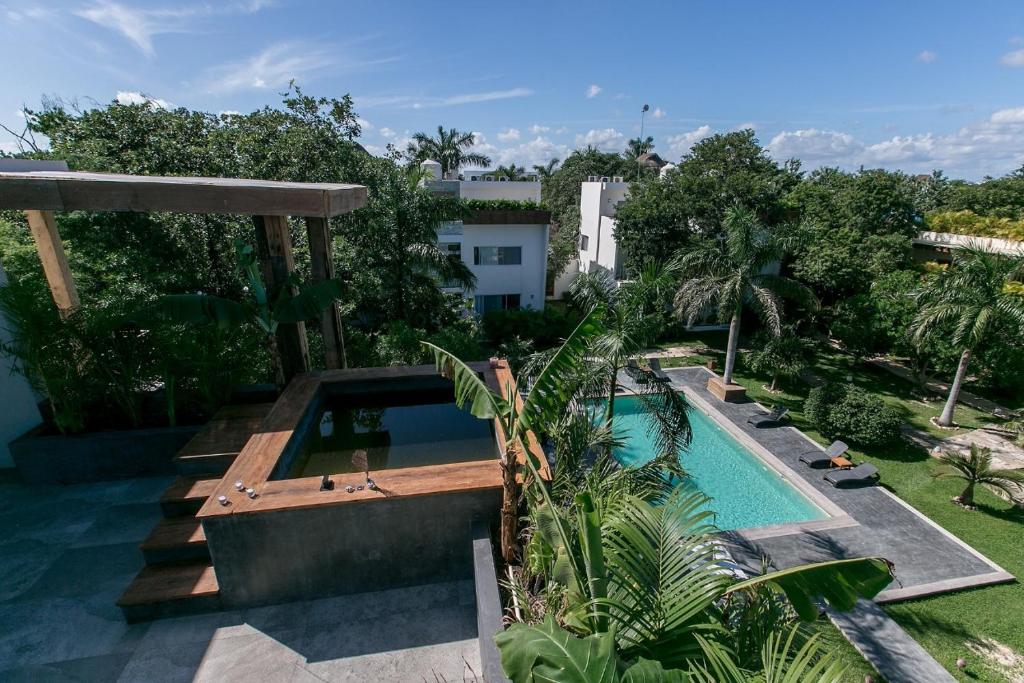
(318, 232)
(54, 260)
(274, 247)
(71, 191)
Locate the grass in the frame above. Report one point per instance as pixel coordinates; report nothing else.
(984, 626)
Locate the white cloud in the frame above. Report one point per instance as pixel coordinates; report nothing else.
(132, 97)
(534, 152)
(1015, 58)
(927, 56)
(747, 124)
(480, 97)
(605, 139)
(537, 129)
(659, 113)
(386, 132)
(680, 144)
(988, 147)
(1017, 40)
(272, 68)
(423, 102)
(365, 125)
(509, 135)
(593, 91)
(813, 145)
(139, 26)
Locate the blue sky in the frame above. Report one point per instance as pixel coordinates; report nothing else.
(910, 85)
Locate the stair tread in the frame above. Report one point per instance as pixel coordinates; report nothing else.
(175, 532)
(226, 432)
(166, 582)
(186, 488)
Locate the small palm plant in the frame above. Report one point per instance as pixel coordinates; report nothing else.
(975, 468)
(257, 309)
(966, 303)
(732, 272)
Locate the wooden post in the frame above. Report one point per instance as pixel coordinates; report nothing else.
(54, 260)
(318, 232)
(274, 247)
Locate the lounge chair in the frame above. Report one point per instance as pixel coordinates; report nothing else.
(634, 372)
(822, 459)
(659, 374)
(774, 417)
(863, 474)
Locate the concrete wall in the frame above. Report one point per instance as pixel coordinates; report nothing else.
(527, 279)
(269, 557)
(20, 412)
(519, 190)
(565, 279)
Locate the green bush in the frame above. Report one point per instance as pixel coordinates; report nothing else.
(501, 205)
(543, 328)
(849, 413)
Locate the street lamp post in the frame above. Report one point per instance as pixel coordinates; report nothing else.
(640, 147)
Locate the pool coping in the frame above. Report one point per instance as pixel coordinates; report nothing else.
(998, 575)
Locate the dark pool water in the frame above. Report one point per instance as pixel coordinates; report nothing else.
(431, 431)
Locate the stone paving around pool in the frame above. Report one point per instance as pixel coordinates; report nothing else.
(67, 553)
(927, 558)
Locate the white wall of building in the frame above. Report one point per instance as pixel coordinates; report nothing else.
(519, 190)
(526, 279)
(20, 412)
(598, 201)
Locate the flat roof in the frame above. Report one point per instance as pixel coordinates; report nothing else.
(74, 191)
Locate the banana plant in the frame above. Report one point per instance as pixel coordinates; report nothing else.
(257, 309)
(547, 398)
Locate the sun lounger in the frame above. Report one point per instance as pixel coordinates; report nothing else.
(822, 459)
(634, 372)
(659, 374)
(861, 475)
(774, 417)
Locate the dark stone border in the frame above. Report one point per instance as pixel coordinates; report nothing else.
(488, 604)
(98, 456)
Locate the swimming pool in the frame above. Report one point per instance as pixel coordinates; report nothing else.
(744, 491)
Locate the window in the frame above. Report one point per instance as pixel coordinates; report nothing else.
(495, 302)
(454, 251)
(497, 256)
(584, 242)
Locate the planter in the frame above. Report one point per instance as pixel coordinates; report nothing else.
(98, 456)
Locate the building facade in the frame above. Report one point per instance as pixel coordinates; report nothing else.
(507, 250)
(599, 198)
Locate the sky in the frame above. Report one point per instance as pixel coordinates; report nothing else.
(902, 85)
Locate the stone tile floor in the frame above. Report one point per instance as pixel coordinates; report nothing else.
(67, 553)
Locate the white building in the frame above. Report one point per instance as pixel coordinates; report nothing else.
(599, 197)
(507, 250)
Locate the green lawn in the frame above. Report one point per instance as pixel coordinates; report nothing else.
(956, 625)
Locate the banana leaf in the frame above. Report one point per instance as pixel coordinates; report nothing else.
(840, 583)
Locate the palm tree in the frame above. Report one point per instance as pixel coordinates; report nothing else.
(635, 147)
(450, 149)
(547, 399)
(965, 303)
(512, 172)
(545, 171)
(632, 316)
(729, 272)
(976, 468)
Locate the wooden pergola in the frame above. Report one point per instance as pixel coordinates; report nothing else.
(42, 193)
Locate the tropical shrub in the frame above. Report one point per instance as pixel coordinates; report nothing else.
(975, 469)
(969, 223)
(543, 328)
(784, 356)
(500, 205)
(849, 413)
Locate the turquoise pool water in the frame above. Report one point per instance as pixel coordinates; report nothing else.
(744, 492)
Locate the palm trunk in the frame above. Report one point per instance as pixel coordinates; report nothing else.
(946, 419)
(276, 368)
(509, 508)
(967, 497)
(613, 385)
(730, 353)
(775, 382)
